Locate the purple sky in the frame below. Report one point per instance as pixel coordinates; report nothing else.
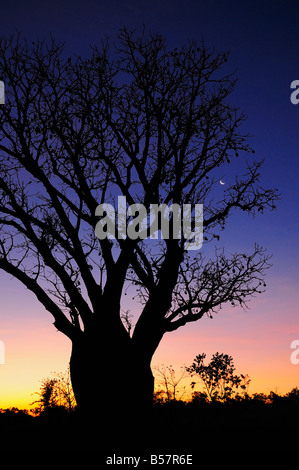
(263, 38)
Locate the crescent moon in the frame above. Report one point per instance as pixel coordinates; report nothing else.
(221, 182)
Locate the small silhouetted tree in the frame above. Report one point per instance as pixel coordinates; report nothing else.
(64, 391)
(218, 376)
(170, 382)
(293, 395)
(147, 122)
(47, 396)
(56, 392)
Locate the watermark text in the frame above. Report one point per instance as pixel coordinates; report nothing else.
(2, 92)
(295, 354)
(2, 353)
(135, 222)
(295, 94)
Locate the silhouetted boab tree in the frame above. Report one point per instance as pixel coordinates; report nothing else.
(145, 122)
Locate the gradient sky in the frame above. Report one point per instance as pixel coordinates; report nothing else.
(263, 38)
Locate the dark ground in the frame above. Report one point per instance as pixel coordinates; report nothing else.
(176, 428)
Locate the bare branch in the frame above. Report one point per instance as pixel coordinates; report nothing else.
(151, 124)
(205, 288)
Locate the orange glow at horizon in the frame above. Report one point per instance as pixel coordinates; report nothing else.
(258, 340)
(33, 347)
(29, 358)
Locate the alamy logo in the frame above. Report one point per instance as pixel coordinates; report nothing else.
(2, 353)
(135, 222)
(2, 93)
(295, 354)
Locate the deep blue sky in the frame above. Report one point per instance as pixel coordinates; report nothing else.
(263, 37)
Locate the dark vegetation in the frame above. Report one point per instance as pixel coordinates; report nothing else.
(153, 124)
(252, 421)
(206, 419)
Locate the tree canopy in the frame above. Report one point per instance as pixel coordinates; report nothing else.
(151, 125)
(146, 122)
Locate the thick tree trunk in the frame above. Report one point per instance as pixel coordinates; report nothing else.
(113, 386)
